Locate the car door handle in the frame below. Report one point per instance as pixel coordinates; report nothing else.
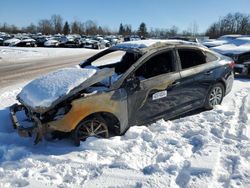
(174, 84)
(208, 72)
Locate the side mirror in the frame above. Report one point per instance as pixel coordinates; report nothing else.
(132, 83)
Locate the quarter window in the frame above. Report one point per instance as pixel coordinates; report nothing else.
(191, 57)
(210, 57)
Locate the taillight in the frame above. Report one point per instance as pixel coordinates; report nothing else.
(231, 64)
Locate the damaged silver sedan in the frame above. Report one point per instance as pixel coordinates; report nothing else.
(132, 83)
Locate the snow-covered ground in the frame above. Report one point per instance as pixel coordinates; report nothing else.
(19, 54)
(209, 149)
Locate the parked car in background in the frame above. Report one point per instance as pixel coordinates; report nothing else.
(70, 41)
(239, 50)
(91, 43)
(1, 41)
(132, 38)
(132, 83)
(114, 40)
(3, 37)
(41, 40)
(26, 43)
(225, 39)
(11, 42)
(51, 42)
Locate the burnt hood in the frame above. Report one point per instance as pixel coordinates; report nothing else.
(45, 92)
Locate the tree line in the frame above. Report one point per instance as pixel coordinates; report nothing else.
(56, 25)
(232, 23)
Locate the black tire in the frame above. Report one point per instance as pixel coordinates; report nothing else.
(96, 127)
(214, 96)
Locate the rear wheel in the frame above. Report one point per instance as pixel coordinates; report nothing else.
(215, 96)
(95, 127)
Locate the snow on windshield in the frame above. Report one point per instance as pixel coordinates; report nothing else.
(45, 90)
(110, 58)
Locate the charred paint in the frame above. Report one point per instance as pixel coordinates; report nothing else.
(83, 107)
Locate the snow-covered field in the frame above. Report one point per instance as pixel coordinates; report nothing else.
(210, 149)
(14, 54)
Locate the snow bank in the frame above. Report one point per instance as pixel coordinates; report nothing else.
(42, 92)
(207, 149)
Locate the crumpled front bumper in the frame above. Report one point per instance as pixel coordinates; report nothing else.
(26, 131)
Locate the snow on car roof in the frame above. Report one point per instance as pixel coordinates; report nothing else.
(42, 92)
(140, 44)
(137, 44)
(232, 49)
(241, 41)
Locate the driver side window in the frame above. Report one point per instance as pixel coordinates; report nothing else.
(157, 65)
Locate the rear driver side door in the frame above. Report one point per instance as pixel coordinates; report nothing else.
(196, 76)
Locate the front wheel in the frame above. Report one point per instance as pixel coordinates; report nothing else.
(215, 96)
(95, 127)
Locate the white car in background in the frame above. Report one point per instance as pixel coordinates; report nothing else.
(11, 42)
(51, 42)
(239, 50)
(225, 39)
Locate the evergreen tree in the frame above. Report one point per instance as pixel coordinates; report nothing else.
(121, 30)
(142, 31)
(66, 29)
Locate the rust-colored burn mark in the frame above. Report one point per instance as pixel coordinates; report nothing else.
(83, 107)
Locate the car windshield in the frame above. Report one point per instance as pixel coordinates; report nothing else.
(110, 58)
(117, 59)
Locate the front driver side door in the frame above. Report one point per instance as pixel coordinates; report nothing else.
(157, 92)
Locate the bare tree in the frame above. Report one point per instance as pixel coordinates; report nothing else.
(45, 26)
(173, 31)
(91, 27)
(32, 28)
(236, 23)
(57, 23)
(76, 27)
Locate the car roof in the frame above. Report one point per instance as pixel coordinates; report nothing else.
(142, 46)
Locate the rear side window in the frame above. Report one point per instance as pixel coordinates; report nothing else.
(191, 57)
(210, 57)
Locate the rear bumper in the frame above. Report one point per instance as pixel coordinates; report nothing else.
(35, 126)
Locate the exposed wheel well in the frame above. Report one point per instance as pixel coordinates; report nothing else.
(111, 120)
(224, 85)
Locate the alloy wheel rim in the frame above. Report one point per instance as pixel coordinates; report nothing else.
(215, 96)
(93, 128)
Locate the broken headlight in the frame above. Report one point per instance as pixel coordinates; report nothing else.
(56, 113)
(61, 112)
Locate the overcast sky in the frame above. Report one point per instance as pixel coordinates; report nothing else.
(155, 13)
